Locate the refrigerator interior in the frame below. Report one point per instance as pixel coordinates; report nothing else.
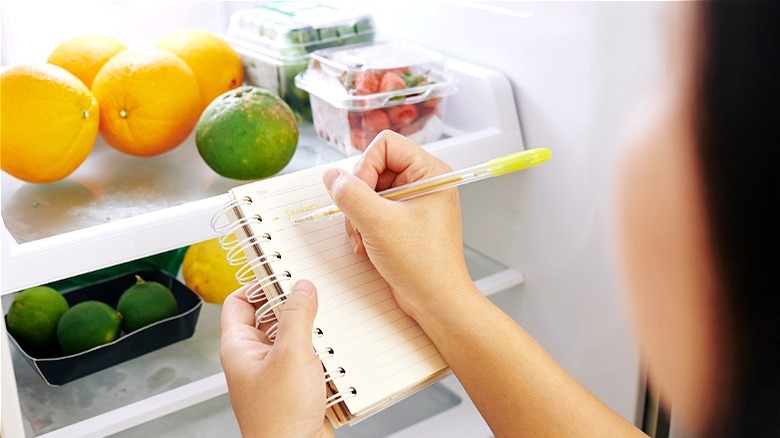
(572, 73)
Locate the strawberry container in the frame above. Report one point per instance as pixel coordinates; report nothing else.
(358, 91)
(274, 41)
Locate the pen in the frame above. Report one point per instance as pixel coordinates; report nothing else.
(496, 167)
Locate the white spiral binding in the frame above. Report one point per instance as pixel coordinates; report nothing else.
(340, 397)
(271, 332)
(264, 314)
(246, 273)
(325, 353)
(233, 203)
(330, 375)
(228, 239)
(236, 256)
(255, 293)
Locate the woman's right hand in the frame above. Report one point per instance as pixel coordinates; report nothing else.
(417, 245)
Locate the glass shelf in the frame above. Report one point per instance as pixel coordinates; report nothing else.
(139, 206)
(46, 408)
(110, 186)
(215, 418)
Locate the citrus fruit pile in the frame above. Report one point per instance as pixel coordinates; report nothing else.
(143, 102)
(40, 318)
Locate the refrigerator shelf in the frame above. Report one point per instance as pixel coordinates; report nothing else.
(158, 204)
(174, 378)
(116, 207)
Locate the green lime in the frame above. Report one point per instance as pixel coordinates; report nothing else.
(33, 316)
(144, 303)
(247, 133)
(87, 325)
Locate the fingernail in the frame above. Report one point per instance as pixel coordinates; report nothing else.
(303, 287)
(353, 240)
(330, 176)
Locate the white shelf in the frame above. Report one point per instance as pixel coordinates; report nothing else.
(152, 386)
(156, 212)
(144, 212)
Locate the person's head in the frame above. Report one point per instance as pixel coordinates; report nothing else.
(699, 191)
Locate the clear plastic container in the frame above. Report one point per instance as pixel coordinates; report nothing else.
(274, 41)
(358, 91)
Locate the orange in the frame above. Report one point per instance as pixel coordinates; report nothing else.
(49, 122)
(247, 133)
(84, 55)
(149, 101)
(216, 65)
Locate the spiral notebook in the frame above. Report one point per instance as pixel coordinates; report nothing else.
(372, 353)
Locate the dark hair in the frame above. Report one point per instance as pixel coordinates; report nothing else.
(738, 115)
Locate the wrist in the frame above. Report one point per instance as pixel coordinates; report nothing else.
(445, 301)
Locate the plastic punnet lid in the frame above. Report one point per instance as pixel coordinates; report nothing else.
(293, 29)
(369, 76)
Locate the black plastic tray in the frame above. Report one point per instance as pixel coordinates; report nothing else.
(59, 369)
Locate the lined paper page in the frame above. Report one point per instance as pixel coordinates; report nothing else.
(382, 350)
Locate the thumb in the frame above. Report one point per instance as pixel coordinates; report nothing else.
(296, 319)
(359, 202)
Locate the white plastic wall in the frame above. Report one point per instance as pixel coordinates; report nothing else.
(578, 71)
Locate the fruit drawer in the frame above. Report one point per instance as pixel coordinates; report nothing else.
(57, 368)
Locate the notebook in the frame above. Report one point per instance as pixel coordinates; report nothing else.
(372, 353)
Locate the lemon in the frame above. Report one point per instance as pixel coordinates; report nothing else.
(86, 325)
(207, 272)
(144, 303)
(33, 317)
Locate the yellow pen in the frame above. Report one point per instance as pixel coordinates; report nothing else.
(496, 167)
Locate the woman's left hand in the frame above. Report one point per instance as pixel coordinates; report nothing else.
(276, 389)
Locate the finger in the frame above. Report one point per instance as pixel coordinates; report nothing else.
(296, 318)
(388, 151)
(393, 152)
(355, 239)
(360, 246)
(237, 311)
(359, 202)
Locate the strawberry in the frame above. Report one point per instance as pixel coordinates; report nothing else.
(402, 116)
(375, 122)
(414, 127)
(432, 103)
(366, 82)
(391, 81)
(403, 71)
(359, 139)
(355, 119)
